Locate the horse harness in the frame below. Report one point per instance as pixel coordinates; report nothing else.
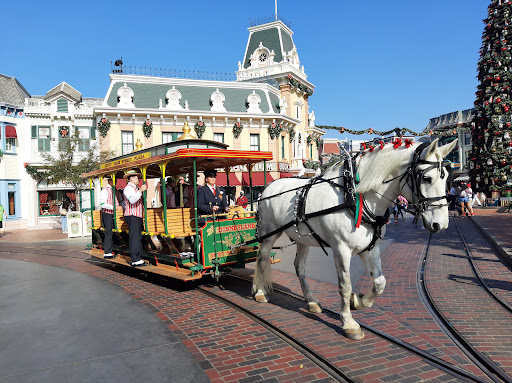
(413, 178)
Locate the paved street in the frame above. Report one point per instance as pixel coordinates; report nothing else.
(64, 318)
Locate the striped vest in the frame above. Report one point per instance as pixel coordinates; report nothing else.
(110, 199)
(136, 208)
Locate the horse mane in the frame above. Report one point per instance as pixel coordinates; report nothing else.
(375, 167)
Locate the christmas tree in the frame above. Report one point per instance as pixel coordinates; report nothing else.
(490, 159)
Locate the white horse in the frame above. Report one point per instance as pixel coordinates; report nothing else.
(384, 173)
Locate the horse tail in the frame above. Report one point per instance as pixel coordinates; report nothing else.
(263, 273)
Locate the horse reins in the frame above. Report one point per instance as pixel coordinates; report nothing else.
(412, 176)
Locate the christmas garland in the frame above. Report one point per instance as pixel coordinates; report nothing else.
(237, 129)
(34, 173)
(319, 142)
(398, 131)
(309, 140)
(274, 130)
(300, 87)
(300, 138)
(200, 127)
(64, 131)
(147, 128)
(1, 153)
(310, 164)
(104, 127)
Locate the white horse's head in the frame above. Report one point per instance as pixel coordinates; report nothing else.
(426, 187)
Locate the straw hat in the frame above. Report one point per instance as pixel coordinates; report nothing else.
(130, 173)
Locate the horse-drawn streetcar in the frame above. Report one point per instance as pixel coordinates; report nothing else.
(180, 242)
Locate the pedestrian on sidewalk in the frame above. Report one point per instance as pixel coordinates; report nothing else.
(64, 208)
(2, 214)
(469, 193)
(400, 206)
(463, 200)
(453, 196)
(107, 216)
(133, 215)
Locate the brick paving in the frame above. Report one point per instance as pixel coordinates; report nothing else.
(456, 291)
(231, 347)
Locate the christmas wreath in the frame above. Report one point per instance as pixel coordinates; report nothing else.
(274, 130)
(291, 132)
(237, 129)
(64, 131)
(147, 128)
(199, 127)
(104, 127)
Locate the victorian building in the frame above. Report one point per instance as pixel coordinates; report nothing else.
(12, 147)
(265, 108)
(50, 120)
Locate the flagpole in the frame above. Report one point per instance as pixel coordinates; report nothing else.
(276, 8)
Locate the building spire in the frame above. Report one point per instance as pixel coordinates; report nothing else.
(276, 8)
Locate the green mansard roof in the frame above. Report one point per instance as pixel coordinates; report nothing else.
(148, 95)
(275, 36)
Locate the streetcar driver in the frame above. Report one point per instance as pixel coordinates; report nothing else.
(209, 198)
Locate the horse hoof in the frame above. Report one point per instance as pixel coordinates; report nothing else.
(260, 297)
(355, 334)
(314, 307)
(356, 302)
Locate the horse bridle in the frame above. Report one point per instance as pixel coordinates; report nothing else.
(414, 178)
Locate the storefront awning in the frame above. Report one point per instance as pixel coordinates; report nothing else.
(286, 175)
(257, 179)
(10, 131)
(222, 180)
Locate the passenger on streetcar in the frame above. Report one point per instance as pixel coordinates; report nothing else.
(209, 198)
(169, 194)
(242, 200)
(107, 216)
(133, 215)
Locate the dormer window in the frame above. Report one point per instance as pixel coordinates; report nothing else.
(62, 105)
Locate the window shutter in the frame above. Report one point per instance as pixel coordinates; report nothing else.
(62, 105)
(93, 132)
(34, 131)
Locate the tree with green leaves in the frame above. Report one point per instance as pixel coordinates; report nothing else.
(490, 160)
(70, 163)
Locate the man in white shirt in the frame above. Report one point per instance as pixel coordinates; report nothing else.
(107, 216)
(133, 212)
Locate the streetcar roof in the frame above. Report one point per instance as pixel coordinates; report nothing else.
(179, 156)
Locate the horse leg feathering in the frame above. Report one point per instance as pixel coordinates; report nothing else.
(262, 281)
(300, 267)
(372, 263)
(342, 257)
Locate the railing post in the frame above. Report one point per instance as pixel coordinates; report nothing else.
(164, 196)
(91, 190)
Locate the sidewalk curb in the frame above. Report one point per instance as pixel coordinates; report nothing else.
(506, 252)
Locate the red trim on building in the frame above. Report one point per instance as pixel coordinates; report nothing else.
(257, 179)
(222, 180)
(10, 131)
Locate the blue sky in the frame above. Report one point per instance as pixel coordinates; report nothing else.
(374, 64)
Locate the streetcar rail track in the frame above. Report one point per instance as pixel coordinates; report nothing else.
(429, 358)
(494, 372)
(491, 369)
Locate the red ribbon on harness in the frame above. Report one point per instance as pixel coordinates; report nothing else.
(359, 210)
(408, 142)
(381, 143)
